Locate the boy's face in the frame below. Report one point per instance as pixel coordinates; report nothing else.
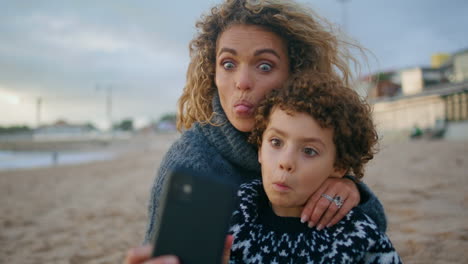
(296, 156)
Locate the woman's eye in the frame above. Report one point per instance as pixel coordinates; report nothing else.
(265, 67)
(310, 151)
(228, 65)
(275, 142)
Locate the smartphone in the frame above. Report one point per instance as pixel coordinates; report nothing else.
(196, 211)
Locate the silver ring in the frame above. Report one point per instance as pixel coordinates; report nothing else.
(328, 197)
(338, 201)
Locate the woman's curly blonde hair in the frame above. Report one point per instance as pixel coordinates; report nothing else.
(312, 46)
(332, 105)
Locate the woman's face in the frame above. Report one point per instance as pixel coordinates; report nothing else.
(250, 62)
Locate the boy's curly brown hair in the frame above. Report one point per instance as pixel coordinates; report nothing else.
(332, 105)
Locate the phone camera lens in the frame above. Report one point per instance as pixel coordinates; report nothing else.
(187, 189)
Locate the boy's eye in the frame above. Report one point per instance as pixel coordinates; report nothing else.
(228, 65)
(310, 152)
(265, 67)
(275, 142)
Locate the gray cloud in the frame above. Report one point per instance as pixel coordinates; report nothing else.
(62, 50)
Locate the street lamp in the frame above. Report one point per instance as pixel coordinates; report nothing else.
(38, 111)
(108, 91)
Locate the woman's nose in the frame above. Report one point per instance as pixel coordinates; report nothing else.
(244, 79)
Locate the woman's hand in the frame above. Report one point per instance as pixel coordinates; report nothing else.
(227, 249)
(321, 212)
(142, 254)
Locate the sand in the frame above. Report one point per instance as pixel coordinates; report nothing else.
(93, 213)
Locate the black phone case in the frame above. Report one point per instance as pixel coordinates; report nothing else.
(195, 219)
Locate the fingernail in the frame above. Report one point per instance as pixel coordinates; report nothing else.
(303, 219)
(170, 260)
(319, 227)
(311, 224)
(140, 251)
(328, 225)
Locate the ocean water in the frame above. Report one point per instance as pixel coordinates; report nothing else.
(10, 160)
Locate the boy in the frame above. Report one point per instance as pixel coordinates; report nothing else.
(307, 132)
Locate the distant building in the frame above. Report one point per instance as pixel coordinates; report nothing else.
(439, 59)
(442, 103)
(384, 84)
(423, 97)
(460, 66)
(62, 129)
(415, 80)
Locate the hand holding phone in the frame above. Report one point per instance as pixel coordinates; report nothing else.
(196, 211)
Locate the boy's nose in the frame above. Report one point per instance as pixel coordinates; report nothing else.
(287, 167)
(287, 162)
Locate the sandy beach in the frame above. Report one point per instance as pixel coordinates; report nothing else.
(94, 212)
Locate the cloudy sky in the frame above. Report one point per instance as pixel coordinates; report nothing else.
(70, 53)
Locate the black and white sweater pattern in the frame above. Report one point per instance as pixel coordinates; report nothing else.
(260, 236)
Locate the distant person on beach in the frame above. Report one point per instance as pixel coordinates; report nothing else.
(306, 133)
(243, 51)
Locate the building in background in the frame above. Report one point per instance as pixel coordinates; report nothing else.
(439, 59)
(64, 130)
(460, 66)
(416, 80)
(426, 110)
(423, 97)
(383, 84)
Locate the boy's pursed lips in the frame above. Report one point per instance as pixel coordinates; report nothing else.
(281, 186)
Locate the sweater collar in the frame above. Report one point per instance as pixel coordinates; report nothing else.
(230, 142)
(260, 211)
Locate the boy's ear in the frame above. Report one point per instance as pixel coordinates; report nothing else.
(338, 173)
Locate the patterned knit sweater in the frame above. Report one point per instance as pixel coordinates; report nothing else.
(260, 236)
(225, 151)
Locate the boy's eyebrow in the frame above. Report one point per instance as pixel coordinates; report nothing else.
(276, 131)
(256, 53)
(305, 139)
(312, 139)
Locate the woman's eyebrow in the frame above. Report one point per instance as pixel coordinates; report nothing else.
(228, 50)
(271, 51)
(256, 53)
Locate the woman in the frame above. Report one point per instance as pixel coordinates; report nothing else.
(244, 50)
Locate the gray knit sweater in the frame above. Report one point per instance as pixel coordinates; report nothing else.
(225, 151)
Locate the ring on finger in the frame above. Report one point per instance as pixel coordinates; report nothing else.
(337, 200)
(328, 197)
